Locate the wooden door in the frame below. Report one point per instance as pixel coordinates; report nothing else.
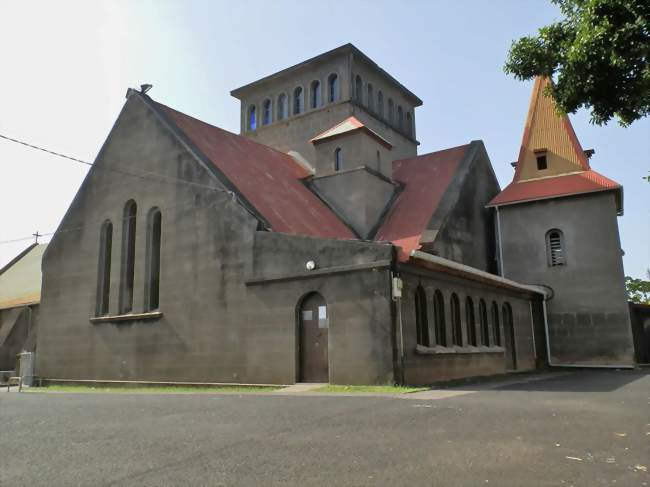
(313, 342)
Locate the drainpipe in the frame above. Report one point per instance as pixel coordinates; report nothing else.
(500, 266)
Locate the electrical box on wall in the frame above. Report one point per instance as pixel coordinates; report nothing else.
(397, 287)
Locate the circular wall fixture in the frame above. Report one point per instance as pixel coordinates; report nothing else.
(310, 265)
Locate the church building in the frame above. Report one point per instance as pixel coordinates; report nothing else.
(319, 246)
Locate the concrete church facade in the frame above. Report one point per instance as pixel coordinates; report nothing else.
(316, 246)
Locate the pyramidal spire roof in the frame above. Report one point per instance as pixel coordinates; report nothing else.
(551, 160)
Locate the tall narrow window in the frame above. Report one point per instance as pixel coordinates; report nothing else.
(104, 269)
(298, 101)
(333, 88)
(421, 322)
(267, 115)
(378, 161)
(282, 106)
(152, 282)
(470, 322)
(439, 318)
(409, 124)
(358, 89)
(391, 116)
(555, 248)
(128, 257)
(380, 104)
(315, 97)
(371, 98)
(456, 328)
(252, 118)
(495, 324)
(400, 118)
(485, 329)
(338, 159)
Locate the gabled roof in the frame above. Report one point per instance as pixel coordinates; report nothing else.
(20, 279)
(349, 125)
(426, 179)
(265, 178)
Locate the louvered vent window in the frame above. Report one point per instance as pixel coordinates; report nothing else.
(555, 248)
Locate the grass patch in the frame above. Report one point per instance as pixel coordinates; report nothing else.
(370, 389)
(152, 389)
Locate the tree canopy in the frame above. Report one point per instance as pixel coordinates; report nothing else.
(598, 57)
(638, 290)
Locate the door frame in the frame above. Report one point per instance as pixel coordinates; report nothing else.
(297, 336)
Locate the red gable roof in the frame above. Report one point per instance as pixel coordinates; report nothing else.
(267, 178)
(426, 179)
(552, 187)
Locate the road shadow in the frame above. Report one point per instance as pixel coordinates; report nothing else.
(581, 380)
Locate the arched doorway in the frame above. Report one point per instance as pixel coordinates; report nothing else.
(509, 332)
(313, 330)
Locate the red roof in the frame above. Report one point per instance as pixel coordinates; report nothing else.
(267, 178)
(552, 187)
(426, 179)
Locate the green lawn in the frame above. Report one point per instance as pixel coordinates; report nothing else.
(152, 389)
(371, 389)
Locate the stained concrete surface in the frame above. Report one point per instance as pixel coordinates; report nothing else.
(582, 428)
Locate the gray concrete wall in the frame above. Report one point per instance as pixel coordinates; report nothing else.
(15, 327)
(357, 149)
(588, 315)
(452, 362)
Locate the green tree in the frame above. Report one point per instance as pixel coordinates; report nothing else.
(638, 290)
(598, 56)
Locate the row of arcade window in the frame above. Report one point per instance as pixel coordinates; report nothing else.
(403, 122)
(127, 269)
(297, 102)
(440, 334)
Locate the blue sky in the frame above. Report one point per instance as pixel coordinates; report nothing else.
(68, 64)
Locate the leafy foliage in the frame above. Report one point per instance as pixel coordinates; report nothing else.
(638, 290)
(599, 54)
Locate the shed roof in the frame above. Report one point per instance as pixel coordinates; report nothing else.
(20, 280)
(349, 125)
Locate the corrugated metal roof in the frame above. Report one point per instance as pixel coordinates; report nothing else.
(20, 281)
(425, 179)
(348, 125)
(268, 179)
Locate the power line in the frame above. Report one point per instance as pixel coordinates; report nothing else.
(45, 150)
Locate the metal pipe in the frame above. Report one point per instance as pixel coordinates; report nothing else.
(500, 267)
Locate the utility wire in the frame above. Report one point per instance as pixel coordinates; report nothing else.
(45, 150)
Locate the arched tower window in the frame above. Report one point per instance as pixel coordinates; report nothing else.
(282, 106)
(152, 281)
(128, 257)
(267, 114)
(409, 124)
(358, 89)
(298, 101)
(421, 322)
(391, 115)
(371, 98)
(439, 318)
(315, 97)
(470, 321)
(485, 329)
(555, 248)
(495, 324)
(400, 118)
(333, 88)
(380, 104)
(104, 269)
(338, 159)
(456, 329)
(252, 118)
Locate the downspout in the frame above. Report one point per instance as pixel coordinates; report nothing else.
(400, 329)
(500, 266)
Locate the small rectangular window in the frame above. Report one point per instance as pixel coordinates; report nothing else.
(541, 162)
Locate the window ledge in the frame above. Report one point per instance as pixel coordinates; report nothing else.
(151, 315)
(422, 350)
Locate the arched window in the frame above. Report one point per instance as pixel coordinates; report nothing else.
(421, 322)
(470, 321)
(378, 161)
(358, 89)
(400, 118)
(128, 257)
(338, 159)
(298, 101)
(315, 96)
(104, 269)
(267, 114)
(371, 98)
(252, 118)
(409, 124)
(282, 106)
(333, 88)
(456, 329)
(555, 248)
(439, 318)
(495, 324)
(390, 111)
(509, 336)
(380, 104)
(152, 281)
(485, 329)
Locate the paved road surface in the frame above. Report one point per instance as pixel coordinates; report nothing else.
(585, 428)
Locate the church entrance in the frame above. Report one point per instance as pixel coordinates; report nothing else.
(509, 332)
(313, 330)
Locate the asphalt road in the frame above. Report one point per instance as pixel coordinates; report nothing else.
(587, 428)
